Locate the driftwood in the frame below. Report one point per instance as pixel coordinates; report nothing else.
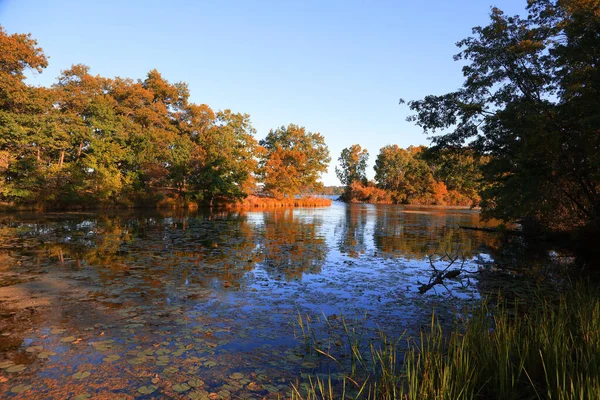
(439, 275)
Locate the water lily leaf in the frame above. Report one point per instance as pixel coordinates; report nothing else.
(16, 368)
(68, 339)
(147, 389)
(20, 388)
(170, 370)
(46, 354)
(236, 376)
(57, 331)
(199, 395)
(111, 358)
(210, 364)
(82, 396)
(181, 387)
(6, 364)
(33, 349)
(81, 375)
(196, 383)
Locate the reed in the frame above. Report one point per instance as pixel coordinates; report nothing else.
(257, 203)
(547, 349)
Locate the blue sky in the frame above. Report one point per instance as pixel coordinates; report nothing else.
(335, 67)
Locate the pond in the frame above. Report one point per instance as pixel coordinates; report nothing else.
(201, 305)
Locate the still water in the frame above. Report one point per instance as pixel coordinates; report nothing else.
(199, 305)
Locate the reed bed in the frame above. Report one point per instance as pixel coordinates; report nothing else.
(547, 349)
(255, 202)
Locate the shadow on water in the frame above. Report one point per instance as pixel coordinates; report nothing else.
(174, 303)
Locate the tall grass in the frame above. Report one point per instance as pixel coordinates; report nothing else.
(549, 349)
(254, 202)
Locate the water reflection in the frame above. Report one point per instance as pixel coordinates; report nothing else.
(419, 233)
(292, 245)
(351, 230)
(162, 299)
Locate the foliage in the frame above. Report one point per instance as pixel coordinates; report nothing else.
(530, 103)
(293, 160)
(551, 350)
(418, 175)
(91, 141)
(353, 165)
(358, 192)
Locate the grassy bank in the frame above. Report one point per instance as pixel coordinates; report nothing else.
(549, 349)
(257, 203)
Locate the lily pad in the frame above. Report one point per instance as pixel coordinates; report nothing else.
(147, 389)
(82, 396)
(236, 376)
(181, 387)
(199, 395)
(6, 364)
(68, 339)
(33, 349)
(46, 354)
(196, 383)
(20, 388)
(210, 364)
(57, 331)
(81, 375)
(111, 358)
(16, 368)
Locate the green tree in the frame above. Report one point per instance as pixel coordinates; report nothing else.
(353, 165)
(390, 170)
(229, 163)
(24, 117)
(293, 160)
(530, 102)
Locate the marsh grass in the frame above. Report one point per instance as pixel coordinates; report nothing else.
(548, 348)
(254, 202)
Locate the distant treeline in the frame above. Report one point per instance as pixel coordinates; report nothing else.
(416, 175)
(91, 141)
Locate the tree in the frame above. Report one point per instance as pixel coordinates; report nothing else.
(293, 160)
(353, 165)
(390, 170)
(460, 171)
(530, 103)
(229, 164)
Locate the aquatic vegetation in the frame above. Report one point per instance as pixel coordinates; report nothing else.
(101, 305)
(548, 348)
(256, 202)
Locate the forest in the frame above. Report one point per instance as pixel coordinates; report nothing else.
(89, 141)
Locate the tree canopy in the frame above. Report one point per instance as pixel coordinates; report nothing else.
(293, 161)
(90, 141)
(353, 165)
(529, 103)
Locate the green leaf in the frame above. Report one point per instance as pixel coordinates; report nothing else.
(147, 389)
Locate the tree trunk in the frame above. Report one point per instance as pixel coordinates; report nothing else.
(61, 159)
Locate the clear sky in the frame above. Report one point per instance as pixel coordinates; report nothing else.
(335, 67)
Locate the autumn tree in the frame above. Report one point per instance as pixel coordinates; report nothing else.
(530, 103)
(353, 165)
(22, 110)
(230, 158)
(91, 141)
(293, 160)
